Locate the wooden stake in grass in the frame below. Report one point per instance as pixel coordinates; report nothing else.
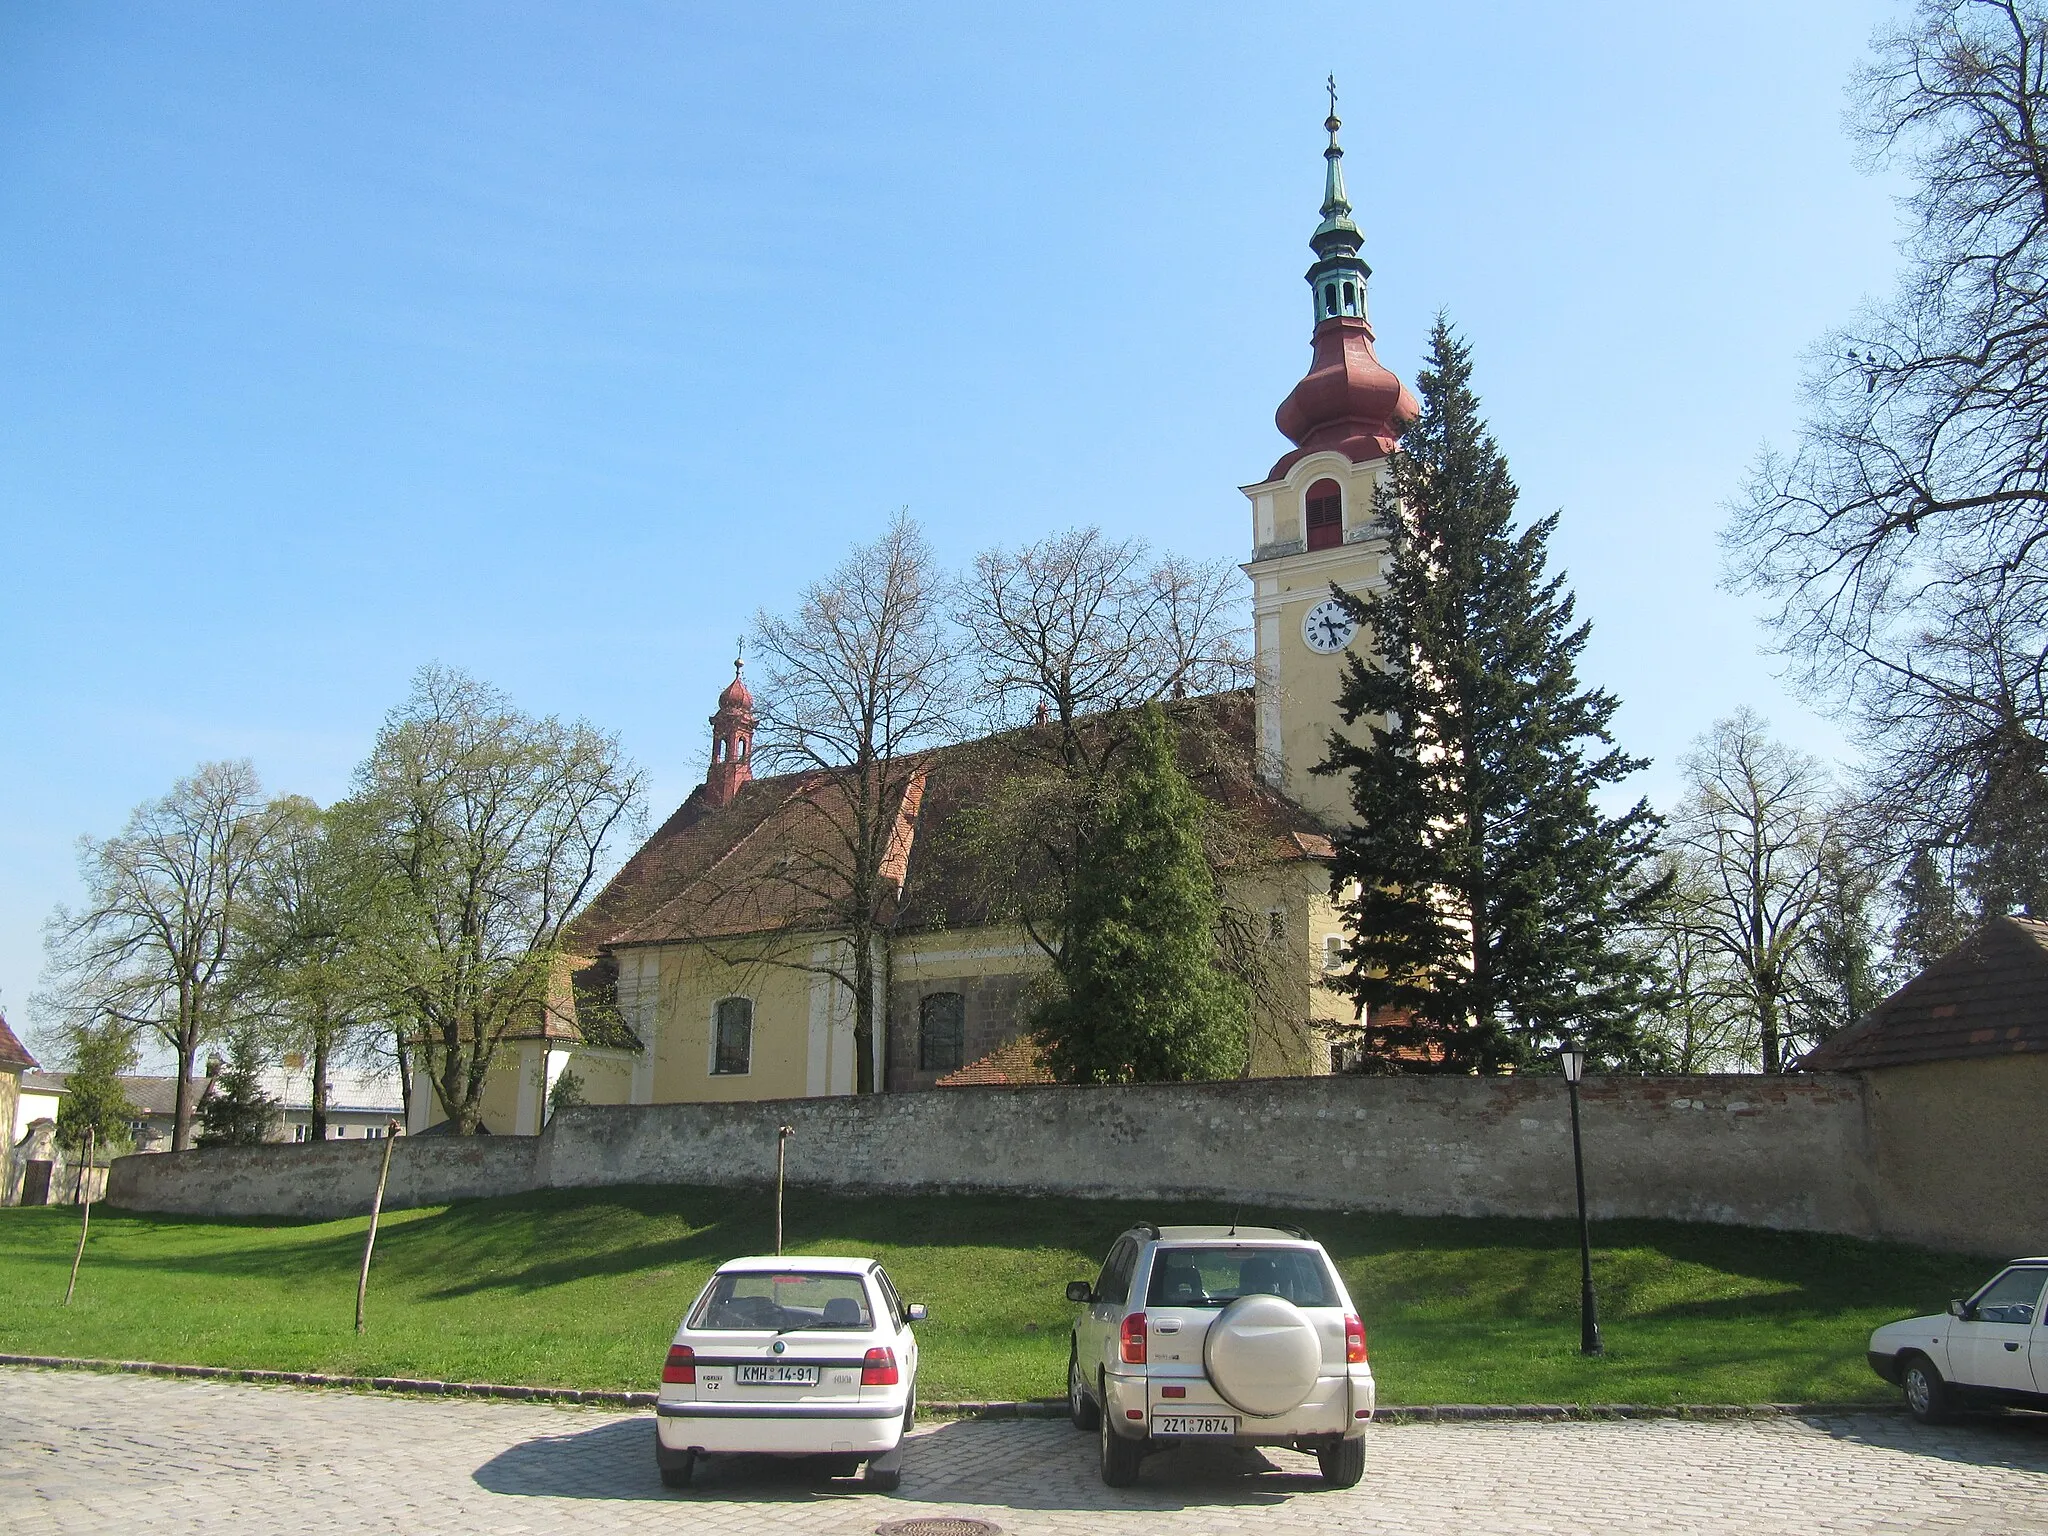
(782, 1135)
(85, 1198)
(392, 1131)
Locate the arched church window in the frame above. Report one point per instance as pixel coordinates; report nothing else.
(718, 749)
(941, 1031)
(1325, 515)
(732, 1052)
(1329, 298)
(1350, 300)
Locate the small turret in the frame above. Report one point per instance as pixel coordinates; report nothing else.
(732, 739)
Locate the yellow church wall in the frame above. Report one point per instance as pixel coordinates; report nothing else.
(499, 1108)
(606, 1076)
(1292, 900)
(693, 978)
(1297, 685)
(987, 951)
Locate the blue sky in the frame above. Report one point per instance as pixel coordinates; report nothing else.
(553, 340)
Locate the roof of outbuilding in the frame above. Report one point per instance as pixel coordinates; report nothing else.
(14, 1056)
(149, 1095)
(1010, 1064)
(1986, 997)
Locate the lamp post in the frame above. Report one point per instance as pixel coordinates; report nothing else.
(1572, 1057)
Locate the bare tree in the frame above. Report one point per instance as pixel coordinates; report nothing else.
(1080, 625)
(1071, 637)
(153, 947)
(1906, 538)
(476, 831)
(1750, 837)
(859, 679)
(1699, 1020)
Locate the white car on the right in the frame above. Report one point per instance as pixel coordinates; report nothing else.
(1990, 1351)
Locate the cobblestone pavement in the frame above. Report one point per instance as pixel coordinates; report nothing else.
(81, 1452)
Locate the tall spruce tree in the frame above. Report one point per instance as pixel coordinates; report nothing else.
(1484, 895)
(1141, 993)
(238, 1113)
(1931, 917)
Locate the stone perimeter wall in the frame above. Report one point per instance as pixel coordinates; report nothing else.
(1788, 1152)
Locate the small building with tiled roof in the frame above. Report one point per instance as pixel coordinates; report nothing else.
(1956, 1066)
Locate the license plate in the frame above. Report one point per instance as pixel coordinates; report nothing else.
(1195, 1424)
(778, 1375)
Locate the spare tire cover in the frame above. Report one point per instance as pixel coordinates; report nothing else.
(1262, 1355)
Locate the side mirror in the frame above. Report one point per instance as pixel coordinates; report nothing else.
(915, 1312)
(1081, 1291)
(1959, 1308)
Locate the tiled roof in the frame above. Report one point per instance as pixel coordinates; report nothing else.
(149, 1095)
(746, 867)
(763, 862)
(1987, 997)
(14, 1056)
(1013, 1063)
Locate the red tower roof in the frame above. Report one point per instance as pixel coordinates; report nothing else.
(1348, 401)
(736, 696)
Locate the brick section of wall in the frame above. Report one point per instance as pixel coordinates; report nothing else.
(1772, 1152)
(996, 1007)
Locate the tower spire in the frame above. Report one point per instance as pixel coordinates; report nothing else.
(1335, 203)
(1348, 401)
(1338, 277)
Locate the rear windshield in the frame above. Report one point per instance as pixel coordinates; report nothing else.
(1215, 1277)
(784, 1301)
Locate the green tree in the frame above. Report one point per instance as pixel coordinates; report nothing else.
(238, 1113)
(475, 833)
(1140, 994)
(297, 963)
(94, 1097)
(1485, 894)
(1850, 978)
(1931, 917)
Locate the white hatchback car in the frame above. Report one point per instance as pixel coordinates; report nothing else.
(791, 1357)
(1990, 1351)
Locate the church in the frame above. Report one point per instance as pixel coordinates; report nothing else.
(696, 976)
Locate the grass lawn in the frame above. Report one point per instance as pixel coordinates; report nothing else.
(583, 1288)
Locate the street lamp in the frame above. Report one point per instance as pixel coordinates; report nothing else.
(1572, 1057)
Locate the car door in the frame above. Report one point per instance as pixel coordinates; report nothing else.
(899, 1315)
(1989, 1345)
(1107, 1311)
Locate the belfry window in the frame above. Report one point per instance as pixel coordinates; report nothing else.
(1350, 300)
(1329, 298)
(941, 1031)
(1325, 515)
(732, 1053)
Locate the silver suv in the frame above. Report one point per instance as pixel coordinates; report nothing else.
(1238, 1334)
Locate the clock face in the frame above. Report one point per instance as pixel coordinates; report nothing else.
(1328, 627)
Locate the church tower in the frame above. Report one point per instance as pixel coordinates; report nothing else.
(1312, 516)
(732, 740)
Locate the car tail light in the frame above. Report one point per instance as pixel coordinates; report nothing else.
(1133, 1351)
(879, 1368)
(680, 1369)
(1354, 1341)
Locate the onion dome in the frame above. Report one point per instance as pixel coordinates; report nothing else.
(736, 697)
(1348, 401)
